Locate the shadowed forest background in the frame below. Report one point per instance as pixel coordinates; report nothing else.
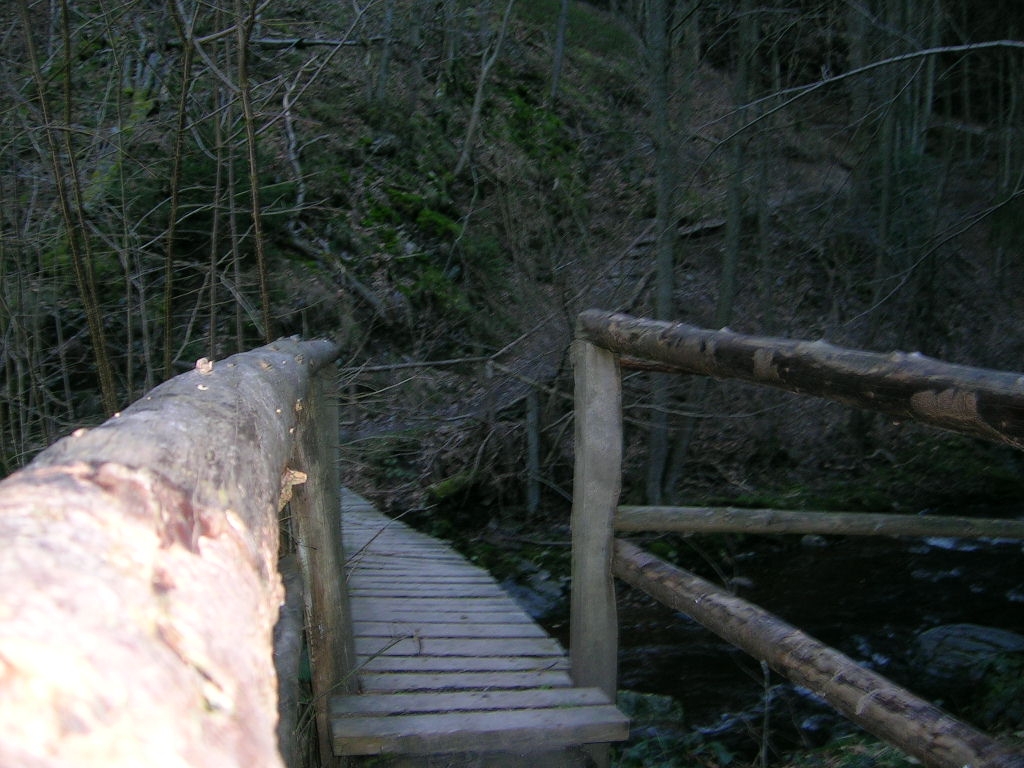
(442, 186)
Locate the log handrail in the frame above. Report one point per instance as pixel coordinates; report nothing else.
(972, 401)
(776, 521)
(861, 695)
(139, 568)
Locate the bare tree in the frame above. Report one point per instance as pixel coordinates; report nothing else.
(67, 182)
(488, 59)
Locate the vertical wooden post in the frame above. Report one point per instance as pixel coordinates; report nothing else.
(593, 622)
(316, 510)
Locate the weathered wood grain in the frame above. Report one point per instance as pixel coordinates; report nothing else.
(447, 661)
(371, 611)
(774, 521)
(459, 664)
(138, 575)
(454, 629)
(421, 644)
(593, 639)
(500, 730)
(480, 701)
(403, 682)
(973, 401)
(315, 511)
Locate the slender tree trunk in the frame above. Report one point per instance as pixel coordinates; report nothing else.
(659, 62)
(489, 59)
(215, 238)
(244, 24)
(414, 86)
(185, 27)
(559, 53)
(69, 197)
(734, 214)
(380, 89)
(235, 235)
(449, 12)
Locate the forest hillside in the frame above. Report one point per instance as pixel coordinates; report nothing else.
(441, 181)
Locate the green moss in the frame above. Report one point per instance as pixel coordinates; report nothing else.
(432, 285)
(378, 214)
(589, 28)
(436, 224)
(451, 486)
(1000, 694)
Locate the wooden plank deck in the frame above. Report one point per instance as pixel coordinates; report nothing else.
(449, 662)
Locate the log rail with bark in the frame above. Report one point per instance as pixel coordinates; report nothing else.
(138, 572)
(972, 401)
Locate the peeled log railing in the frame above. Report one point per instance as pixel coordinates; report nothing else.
(973, 401)
(138, 572)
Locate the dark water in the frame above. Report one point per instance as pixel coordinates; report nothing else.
(868, 597)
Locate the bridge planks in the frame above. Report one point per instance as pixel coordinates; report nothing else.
(448, 662)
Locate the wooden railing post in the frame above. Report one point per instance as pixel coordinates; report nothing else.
(593, 623)
(971, 401)
(316, 513)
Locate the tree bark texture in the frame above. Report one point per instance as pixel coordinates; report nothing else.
(973, 401)
(139, 588)
(865, 697)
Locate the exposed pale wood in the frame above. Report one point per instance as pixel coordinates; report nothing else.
(879, 706)
(459, 645)
(138, 569)
(593, 639)
(739, 520)
(973, 401)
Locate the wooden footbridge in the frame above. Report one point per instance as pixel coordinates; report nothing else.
(447, 662)
(139, 585)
